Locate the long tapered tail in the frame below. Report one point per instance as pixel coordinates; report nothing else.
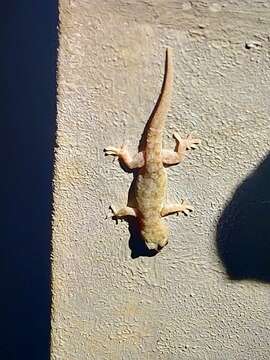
(163, 103)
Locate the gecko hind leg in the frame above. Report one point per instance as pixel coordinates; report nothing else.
(184, 207)
(170, 157)
(132, 162)
(123, 212)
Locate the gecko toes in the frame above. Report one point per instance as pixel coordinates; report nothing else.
(186, 208)
(192, 143)
(110, 150)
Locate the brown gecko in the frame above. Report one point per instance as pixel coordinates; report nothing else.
(151, 180)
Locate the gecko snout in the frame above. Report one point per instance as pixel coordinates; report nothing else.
(155, 236)
(160, 247)
(155, 246)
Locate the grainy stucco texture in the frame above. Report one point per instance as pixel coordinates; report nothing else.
(180, 304)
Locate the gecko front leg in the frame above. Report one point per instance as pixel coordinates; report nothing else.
(132, 162)
(123, 212)
(184, 207)
(170, 157)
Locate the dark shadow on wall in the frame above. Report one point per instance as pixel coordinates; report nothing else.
(243, 232)
(28, 38)
(136, 243)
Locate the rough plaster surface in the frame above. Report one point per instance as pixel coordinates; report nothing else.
(179, 304)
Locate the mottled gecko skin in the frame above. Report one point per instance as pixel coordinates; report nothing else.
(151, 181)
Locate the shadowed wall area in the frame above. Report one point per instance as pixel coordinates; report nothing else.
(28, 124)
(243, 232)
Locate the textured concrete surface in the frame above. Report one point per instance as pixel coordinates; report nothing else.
(108, 302)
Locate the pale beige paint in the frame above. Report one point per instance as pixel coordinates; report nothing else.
(179, 304)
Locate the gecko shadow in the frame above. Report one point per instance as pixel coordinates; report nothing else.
(28, 124)
(136, 243)
(243, 230)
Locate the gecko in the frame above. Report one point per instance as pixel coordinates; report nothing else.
(150, 164)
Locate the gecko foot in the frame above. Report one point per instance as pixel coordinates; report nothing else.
(185, 208)
(190, 142)
(113, 214)
(114, 151)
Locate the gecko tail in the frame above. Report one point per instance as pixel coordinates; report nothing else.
(163, 103)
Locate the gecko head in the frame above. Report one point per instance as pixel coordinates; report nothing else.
(156, 236)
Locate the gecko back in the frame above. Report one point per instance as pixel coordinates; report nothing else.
(151, 180)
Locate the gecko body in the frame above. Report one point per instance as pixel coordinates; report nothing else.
(151, 180)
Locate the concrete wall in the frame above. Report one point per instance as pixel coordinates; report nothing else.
(206, 295)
